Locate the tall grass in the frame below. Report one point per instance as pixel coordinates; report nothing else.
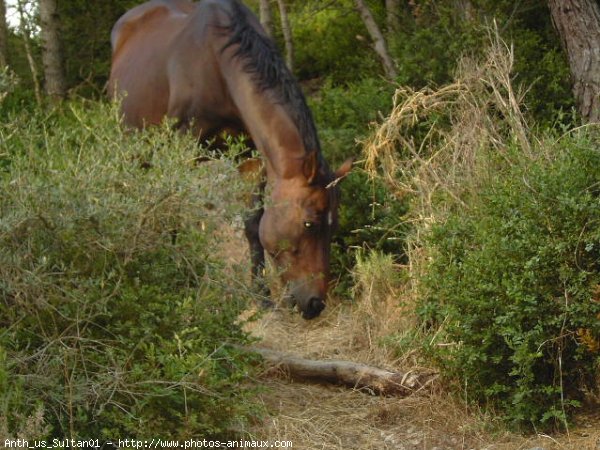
(115, 309)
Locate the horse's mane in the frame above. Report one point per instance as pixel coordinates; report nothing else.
(269, 71)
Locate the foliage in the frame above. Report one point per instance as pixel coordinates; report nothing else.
(504, 250)
(433, 38)
(22, 93)
(8, 82)
(344, 114)
(330, 41)
(513, 284)
(116, 314)
(369, 213)
(370, 217)
(87, 66)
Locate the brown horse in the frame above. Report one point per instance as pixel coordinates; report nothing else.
(211, 66)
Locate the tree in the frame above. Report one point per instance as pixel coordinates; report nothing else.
(51, 51)
(379, 43)
(578, 24)
(3, 35)
(287, 34)
(266, 17)
(85, 42)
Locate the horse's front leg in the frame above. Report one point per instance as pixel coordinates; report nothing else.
(257, 252)
(252, 170)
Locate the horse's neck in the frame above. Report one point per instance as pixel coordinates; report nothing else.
(270, 125)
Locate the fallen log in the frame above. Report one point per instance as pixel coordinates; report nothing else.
(354, 375)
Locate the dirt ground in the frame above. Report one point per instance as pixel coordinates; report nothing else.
(334, 418)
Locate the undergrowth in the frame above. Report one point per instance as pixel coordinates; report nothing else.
(115, 310)
(512, 286)
(368, 213)
(504, 255)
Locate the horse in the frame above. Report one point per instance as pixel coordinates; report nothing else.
(211, 67)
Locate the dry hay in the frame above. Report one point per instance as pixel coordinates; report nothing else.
(467, 123)
(325, 417)
(318, 417)
(341, 332)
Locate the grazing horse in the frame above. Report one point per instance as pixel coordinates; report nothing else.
(211, 66)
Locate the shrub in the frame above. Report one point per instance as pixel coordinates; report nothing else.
(433, 39)
(370, 217)
(115, 313)
(504, 250)
(513, 284)
(326, 42)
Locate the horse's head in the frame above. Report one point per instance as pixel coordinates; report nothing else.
(296, 229)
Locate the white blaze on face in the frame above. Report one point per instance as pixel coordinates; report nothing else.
(330, 218)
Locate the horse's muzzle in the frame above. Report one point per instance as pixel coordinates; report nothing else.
(308, 296)
(313, 308)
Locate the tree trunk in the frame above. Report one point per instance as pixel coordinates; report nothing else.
(287, 34)
(3, 35)
(392, 16)
(51, 52)
(266, 17)
(378, 39)
(26, 33)
(578, 24)
(348, 373)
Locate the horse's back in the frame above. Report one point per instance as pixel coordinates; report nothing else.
(141, 41)
(167, 57)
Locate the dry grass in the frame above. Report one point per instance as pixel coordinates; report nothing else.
(334, 418)
(439, 146)
(343, 331)
(462, 132)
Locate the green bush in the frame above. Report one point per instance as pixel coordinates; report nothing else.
(370, 218)
(116, 312)
(512, 285)
(431, 41)
(369, 213)
(332, 41)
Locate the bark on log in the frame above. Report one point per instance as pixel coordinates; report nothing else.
(348, 373)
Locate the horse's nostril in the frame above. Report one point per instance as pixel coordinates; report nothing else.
(313, 308)
(316, 304)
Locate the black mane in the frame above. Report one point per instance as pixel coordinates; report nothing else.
(263, 61)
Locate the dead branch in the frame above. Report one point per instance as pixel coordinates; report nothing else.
(347, 373)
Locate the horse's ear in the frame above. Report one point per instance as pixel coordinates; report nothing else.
(311, 167)
(344, 169)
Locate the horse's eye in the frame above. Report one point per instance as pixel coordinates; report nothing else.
(309, 225)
